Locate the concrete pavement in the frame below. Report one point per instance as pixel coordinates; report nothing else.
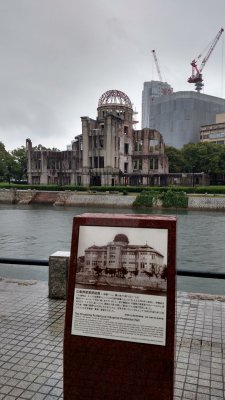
(31, 344)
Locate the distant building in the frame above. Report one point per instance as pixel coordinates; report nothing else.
(179, 116)
(108, 152)
(151, 90)
(214, 133)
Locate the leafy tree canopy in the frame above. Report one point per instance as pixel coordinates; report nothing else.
(176, 161)
(5, 163)
(12, 164)
(19, 165)
(197, 157)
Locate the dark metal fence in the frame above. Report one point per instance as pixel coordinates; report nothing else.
(23, 261)
(180, 272)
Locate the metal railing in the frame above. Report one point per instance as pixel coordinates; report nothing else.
(23, 261)
(180, 272)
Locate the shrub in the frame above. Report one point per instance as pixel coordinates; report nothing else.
(174, 199)
(145, 199)
(169, 198)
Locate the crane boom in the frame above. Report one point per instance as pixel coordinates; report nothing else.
(157, 65)
(196, 76)
(212, 47)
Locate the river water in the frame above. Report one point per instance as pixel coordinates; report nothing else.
(38, 231)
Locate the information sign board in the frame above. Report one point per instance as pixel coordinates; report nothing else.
(120, 313)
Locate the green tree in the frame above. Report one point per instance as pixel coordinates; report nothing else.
(19, 163)
(175, 159)
(189, 155)
(5, 163)
(203, 157)
(40, 147)
(197, 157)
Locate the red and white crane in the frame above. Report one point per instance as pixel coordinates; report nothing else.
(196, 76)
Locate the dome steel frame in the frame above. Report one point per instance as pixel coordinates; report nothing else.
(114, 98)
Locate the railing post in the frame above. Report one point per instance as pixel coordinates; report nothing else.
(58, 271)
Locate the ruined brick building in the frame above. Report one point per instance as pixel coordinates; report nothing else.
(108, 152)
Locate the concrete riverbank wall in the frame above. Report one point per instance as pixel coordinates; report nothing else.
(67, 198)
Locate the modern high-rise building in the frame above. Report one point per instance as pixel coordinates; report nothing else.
(180, 115)
(152, 90)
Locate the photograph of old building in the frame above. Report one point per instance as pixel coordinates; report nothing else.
(108, 152)
(119, 263)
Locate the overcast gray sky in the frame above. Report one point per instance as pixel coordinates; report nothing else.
(59, 56)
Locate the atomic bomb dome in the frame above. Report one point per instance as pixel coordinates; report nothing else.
(109, 152)
(114, 98)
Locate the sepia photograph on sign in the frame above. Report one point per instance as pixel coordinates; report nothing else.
(126, 259)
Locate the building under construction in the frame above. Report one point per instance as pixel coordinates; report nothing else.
(180, 115)
(108, 152)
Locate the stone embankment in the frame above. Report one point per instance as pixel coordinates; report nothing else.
(67, 198)
(206, 201)
(114, 199)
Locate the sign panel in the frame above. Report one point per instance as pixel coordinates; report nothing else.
(121, 305)
(120, 316)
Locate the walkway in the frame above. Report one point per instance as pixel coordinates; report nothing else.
(31, 344)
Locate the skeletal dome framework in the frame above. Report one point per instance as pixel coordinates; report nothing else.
(114, 97)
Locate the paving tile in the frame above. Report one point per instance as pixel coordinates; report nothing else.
(38, 396)
(202, 396)
(27, 394)
(16, 392)
(216, 392)
(189, 395)
(5, 389)
(56, 392)
(192, 380)
(217, 378)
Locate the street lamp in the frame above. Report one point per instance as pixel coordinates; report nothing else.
(90, 174)
(193, 175)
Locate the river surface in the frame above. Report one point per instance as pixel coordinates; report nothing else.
(39, 231)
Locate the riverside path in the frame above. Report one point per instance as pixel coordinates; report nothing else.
(31, 337)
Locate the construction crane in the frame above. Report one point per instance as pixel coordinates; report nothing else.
(164, 87)
(157, 65)
(196, 76)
